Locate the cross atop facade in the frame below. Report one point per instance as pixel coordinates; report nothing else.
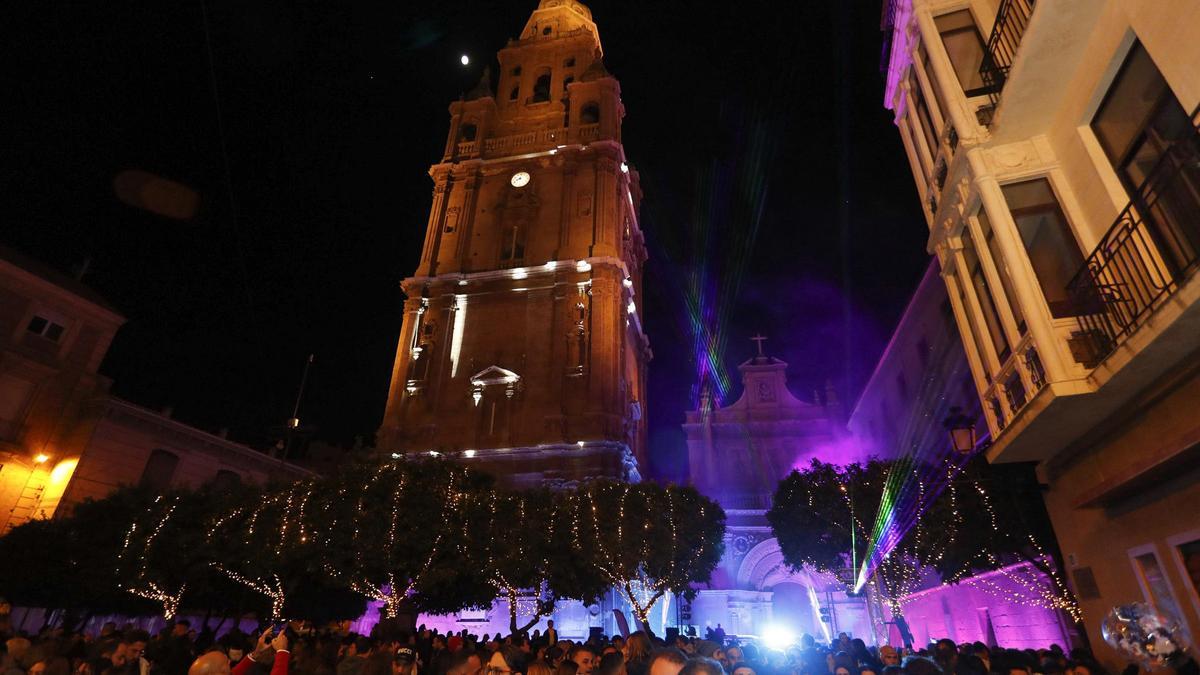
(758, 339)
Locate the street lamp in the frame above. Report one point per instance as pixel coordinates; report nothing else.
(962, 431)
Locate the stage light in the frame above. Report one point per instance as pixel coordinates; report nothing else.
(41, 458)
(778, 637)
(465, 59)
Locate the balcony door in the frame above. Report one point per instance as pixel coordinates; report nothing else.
(1154, 148)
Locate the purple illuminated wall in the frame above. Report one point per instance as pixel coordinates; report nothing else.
(981, 610)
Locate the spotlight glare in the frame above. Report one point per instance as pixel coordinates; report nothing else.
(778, 637)
(465, 59)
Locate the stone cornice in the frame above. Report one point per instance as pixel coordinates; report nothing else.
(235, 454)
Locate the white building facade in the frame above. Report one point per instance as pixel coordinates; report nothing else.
(1055, 151)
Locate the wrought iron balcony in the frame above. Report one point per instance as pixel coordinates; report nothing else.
(1011, 21)
(1151, 249)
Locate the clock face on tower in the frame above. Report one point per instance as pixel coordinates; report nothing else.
(519, 179)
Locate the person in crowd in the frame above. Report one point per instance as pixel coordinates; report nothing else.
(742, 668)
(506, 661)
(888, 656)
(611, 664)
(357, 652)
(538, 667)
(733, 655)
(920, 665)
(701, 665)
(403, 661)
(666, 662)
(637, 653)
(585, 657)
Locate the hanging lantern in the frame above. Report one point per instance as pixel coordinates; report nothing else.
(962, 431)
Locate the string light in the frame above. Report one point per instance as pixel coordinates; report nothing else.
(143, 586)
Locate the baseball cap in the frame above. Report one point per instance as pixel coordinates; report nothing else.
(405, 655)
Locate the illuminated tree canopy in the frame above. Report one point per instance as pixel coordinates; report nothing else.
(823, 518)
(425, 536)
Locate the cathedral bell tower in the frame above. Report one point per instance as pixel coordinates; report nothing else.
(522, 349)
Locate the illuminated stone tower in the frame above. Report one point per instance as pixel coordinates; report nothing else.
(522, 348)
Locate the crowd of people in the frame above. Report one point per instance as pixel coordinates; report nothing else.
(298, 648)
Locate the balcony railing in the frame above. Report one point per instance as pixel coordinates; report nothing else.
(1019, 379)
(1011, 21)
(1153, 247)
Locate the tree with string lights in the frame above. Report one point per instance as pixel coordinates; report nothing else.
(643, 539)
(512, 544)
(164, 555)
(382, 529)
(1008, 523)
(265, 542)
(822, 518)
(69, 563)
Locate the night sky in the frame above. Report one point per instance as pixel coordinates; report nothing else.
(331, 114)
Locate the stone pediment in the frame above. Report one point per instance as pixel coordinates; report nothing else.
(494, 375)
(764, 388)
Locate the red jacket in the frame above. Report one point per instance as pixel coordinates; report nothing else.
(280, 667)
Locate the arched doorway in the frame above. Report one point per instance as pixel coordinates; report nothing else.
(791, 607)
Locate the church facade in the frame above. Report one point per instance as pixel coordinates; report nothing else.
(737, 454)
(522, 351)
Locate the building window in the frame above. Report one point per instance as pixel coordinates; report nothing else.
(569, 63)
(1138, 120)
(516, 71)
(40, 325)
(468, 132)
(546, 30)
(923, 59)
(513, 246)
(923, 119)
(15, 393)
(590, 114)
(965, 48)
(1153, 580)
(567, 81)
(989, 237)
(1188, 552)
(160, 468)
(987, 303)
(541, 87)
(1049, 242)
(970, 328)
(515, 93)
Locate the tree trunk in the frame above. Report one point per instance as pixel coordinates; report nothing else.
(544, 608)
(512, 610)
